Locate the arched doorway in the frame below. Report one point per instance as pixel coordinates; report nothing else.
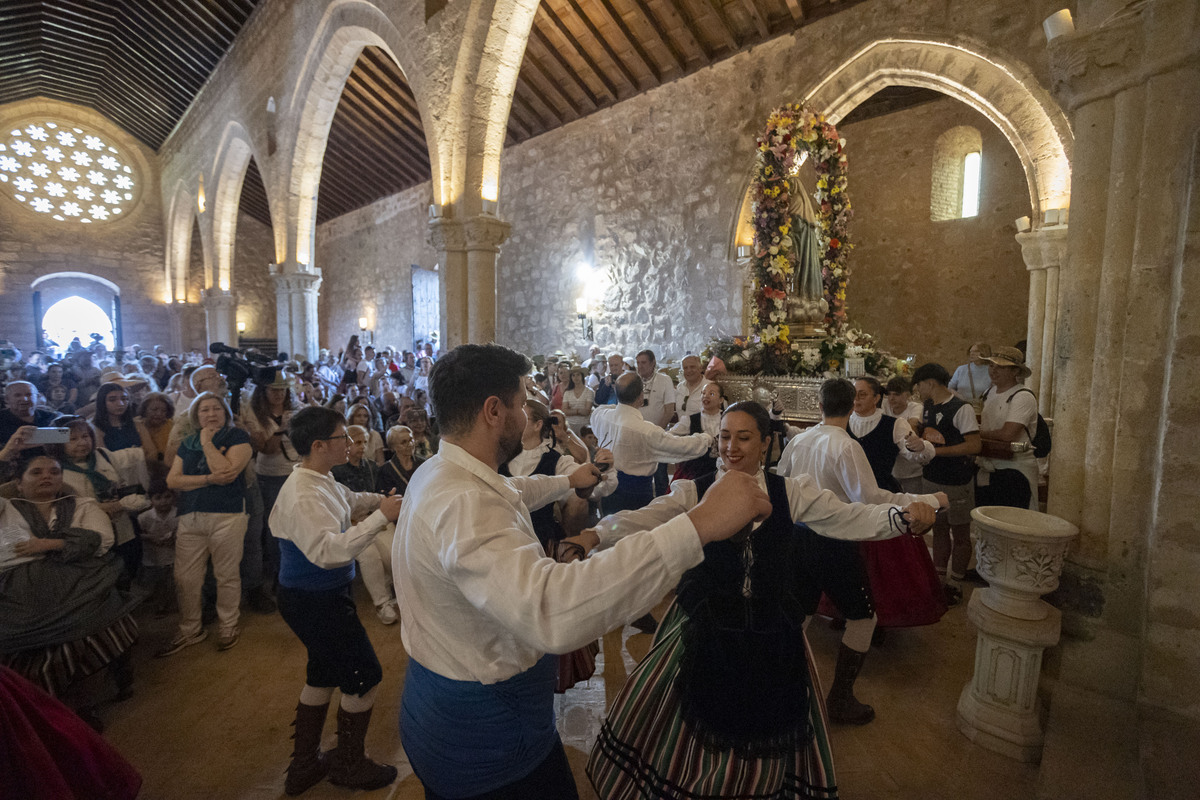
(73, 317)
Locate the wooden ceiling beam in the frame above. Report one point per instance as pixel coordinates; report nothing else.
(382, 96)
(795, 8)
(689, 27)
(615, 19)
(557, 119)
(536, 64)
(529, 112)
(759, 22)
(569, 70)
(383, 142)
(578, 49)
(648, 15)
(723, 25)
(604, 45)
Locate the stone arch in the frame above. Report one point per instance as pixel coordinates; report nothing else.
(340, 37)
(1006, 93)
(229, 172)
(181, 217)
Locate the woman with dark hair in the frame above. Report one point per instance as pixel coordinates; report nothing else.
(337, 403)
(114, 418)
(61, 616)
(425, 444)
(208, 474)
(727, 703)
(577, 399)
(116, 481)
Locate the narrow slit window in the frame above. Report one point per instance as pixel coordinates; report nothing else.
(970, 191)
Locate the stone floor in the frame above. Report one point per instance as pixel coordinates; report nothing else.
(205, 724)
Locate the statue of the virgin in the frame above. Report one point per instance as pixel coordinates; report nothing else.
(806, 301)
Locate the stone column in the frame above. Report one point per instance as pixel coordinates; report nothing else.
(296, 312)
(1044, 251)
(220, 315)
(485, 234)
(448, 238)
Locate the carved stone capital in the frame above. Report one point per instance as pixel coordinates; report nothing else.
(215, 298)
(297, 283)
(1101, 62)
(447, 235)
(1044, 248)
(486, 233)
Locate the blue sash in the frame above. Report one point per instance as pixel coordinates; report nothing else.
(632, 492)
(465, 738)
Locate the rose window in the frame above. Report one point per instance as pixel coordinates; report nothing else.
(65, 173)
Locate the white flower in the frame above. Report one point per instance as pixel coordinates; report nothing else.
(98, 212)
(84, 193)
(65, 138)
(123, 182)
(71, 209)
(42, 204)
(24, 149)
(24, 185)
(92, 143)
(97, 177)
(52, 153)
(81, 158)
(110, 197)
(56, 190)
(39, 169)
(108, 162)
(9, 164)
(36, 132)
(68, 174)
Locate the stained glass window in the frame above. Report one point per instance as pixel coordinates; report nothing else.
(50, 167)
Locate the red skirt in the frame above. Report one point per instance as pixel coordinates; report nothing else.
(905, 586)
(48, 753)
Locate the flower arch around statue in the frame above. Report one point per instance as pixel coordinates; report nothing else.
(794, 132)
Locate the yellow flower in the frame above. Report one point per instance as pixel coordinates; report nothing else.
(785, 229)
(784, 332)
(834, 363)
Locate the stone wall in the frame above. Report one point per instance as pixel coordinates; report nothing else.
(924, 287)
(366, 258)
(251, 280)
(127, 251)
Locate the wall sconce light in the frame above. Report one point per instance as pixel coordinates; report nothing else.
(489, 207)
(744, 251)
(1023, 224)
(585, 322)
(200, 196)
(435, 211)
(241, 326)
(362, 328)
(1058, 24)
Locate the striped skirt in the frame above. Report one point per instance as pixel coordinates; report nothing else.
(646, 751)
(56, 667)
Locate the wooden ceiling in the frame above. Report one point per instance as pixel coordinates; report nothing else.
(138, 63)
(141, 64)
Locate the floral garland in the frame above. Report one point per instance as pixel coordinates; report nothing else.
(791, 131)
(823, 359)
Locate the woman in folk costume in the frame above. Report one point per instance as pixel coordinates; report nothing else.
(727, 703)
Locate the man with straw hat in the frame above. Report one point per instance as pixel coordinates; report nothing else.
(1007, 426)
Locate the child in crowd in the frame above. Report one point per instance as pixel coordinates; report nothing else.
(158, 525)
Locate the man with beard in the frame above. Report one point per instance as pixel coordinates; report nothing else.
(481, 604)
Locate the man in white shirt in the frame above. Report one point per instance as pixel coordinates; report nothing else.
(1009, 416)
(658, 405)
(835, 461)
(317, 548)
(898, 403)
(687, 393)
(482, 605)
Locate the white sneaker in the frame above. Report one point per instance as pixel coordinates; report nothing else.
(387, 613)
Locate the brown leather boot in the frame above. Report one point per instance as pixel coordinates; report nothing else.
(349, 765)
(842, 704)
(309, 765)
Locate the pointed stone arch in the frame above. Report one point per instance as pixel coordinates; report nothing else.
(1005, 92)
(181, 218)
(340, 37)
(229, 173)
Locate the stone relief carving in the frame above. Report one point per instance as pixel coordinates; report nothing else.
(1036, 567)
(989, 554)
